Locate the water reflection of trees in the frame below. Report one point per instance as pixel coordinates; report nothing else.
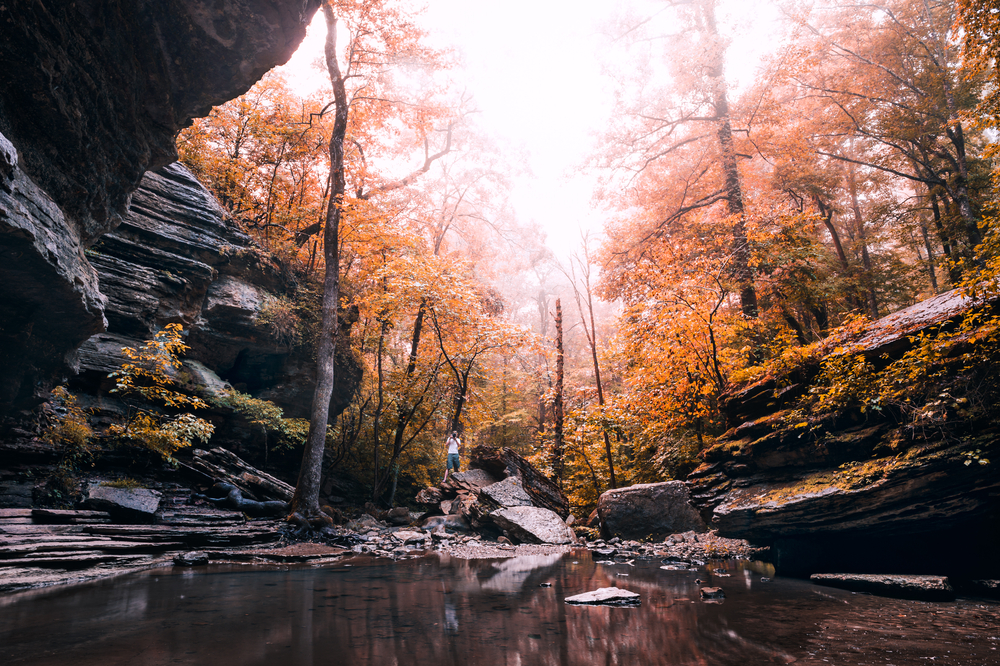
(456, 612)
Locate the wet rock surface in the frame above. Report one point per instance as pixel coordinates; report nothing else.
(192, 558)
(606, 596)
(926, 588)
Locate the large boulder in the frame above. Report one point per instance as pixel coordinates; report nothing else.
(532, 524)
(508, 492)
(648, 510)
(502, 494)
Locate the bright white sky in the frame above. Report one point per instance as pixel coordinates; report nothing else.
(533, 69)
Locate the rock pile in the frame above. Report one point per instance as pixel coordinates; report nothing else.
(684, 550)
(501, 493)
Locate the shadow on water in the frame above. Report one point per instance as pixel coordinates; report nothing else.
(443, 611)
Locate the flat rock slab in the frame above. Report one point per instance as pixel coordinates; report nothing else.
(129, 504)
(298, 552)
(70, 517)
(606, 596)
(15, 513)
(474, 478)
(508, 492)
(532, 524)
(924, 588)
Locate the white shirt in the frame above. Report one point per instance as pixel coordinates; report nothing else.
(453, 445)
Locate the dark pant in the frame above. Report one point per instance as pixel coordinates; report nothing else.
(453, 461)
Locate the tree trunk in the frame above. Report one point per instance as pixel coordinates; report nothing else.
(954, 270)
(305, 502)
(957, 137)
(557, 405)
(376, 430)
(590, 329)
(740, 271)
(866, 260)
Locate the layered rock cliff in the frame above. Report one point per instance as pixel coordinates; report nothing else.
(874, 487)
(92, 94)
(178, 258)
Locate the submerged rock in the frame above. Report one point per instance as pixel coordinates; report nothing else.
(192, 558)
(924, 588)
(606, 596)
(712, 593)
(532, 524)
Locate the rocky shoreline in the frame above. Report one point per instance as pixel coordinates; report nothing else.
(34, 555)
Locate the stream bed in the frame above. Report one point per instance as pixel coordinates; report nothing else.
(443, 611)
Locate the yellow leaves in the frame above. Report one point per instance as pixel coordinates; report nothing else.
(154, 433)
(150, 376)
(68, 430)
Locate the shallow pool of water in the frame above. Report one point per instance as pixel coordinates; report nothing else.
(441, 611)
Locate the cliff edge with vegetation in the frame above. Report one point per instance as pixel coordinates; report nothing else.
(873, 448)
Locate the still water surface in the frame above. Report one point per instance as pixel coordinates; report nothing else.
(441, 611)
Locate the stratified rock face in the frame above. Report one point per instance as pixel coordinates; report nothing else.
(92, 94)
(653, 510)
(852, 488)
(903, 497)
(50, 300)
(175, 258)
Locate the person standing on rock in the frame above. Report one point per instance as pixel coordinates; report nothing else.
(453, 443)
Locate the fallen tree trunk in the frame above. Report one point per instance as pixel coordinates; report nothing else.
(224, 466)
